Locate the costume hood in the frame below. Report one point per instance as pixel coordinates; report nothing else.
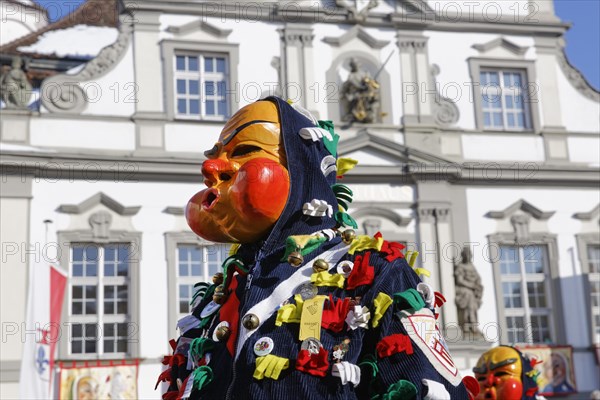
(307, 179)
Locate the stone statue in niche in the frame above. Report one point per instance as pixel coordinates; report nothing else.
(360, 96)
(469, 292)
(15, 88)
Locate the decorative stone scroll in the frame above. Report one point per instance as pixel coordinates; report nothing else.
(445, 111)
(62, 93)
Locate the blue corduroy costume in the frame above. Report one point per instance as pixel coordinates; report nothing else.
(232, 377)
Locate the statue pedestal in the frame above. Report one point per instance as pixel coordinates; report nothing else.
(14, 125)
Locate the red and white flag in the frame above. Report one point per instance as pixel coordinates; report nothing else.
(44, 305)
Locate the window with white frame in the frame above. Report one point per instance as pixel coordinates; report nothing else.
(201, 82)
(195, 264)
(503, 99)
(99, 299)
(593, 260)
(526, 293)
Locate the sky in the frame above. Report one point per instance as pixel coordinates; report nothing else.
(583, 39)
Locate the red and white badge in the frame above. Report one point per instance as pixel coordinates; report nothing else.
(422, 329)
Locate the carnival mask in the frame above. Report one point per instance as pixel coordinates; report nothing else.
(499, 374)
(247, 178)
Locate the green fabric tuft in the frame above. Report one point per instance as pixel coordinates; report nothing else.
(330, 145)
(309, 247)
(199, 347)
(408, 299)
(401, 390)
(345, 219)
(202, 376)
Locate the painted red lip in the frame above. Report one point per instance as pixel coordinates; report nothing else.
(209, 199)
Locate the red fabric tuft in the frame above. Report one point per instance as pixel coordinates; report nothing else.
(314, 364)
(173, 344)
(392, 249)
(163, 377)
(394, 344)
(172, 395)
(534, 361)
(439, 299)
(472, 386)
(229, 312)
(334, 314)
(362, 273)
(175, 359)
(531, 392)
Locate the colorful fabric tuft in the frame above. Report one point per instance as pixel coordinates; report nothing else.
(391, 249)
(409, 299)
(334, 314)
(364, 242)
(202, 376)
(393, 344)
(290, 313)
(347, 372)
(358, 317)
(362, 272)
(401, 390)
(314, 364)
(324, 278)
(270, 366)
(381, 304)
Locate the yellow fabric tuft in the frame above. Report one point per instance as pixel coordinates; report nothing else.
(270, 366)
(345, 164)
(324, 278)
(290, 313)
(233, 249)
(301, 240)
(411, 257)
(422, 271)
(364, 242)
(382, 303)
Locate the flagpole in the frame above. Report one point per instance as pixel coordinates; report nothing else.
(47, 223)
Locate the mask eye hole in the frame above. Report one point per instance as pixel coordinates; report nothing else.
(500, 374)
(244, 149)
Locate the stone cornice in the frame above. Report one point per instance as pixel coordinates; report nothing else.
(199, 25)
(501, 42)
(293, 12)
(523, 206)
(587, 216)
(121, 167)
(98, 198)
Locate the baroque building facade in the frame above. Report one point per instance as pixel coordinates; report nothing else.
(485, 137)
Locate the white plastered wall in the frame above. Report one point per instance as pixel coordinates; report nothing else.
(565, 202)
(153, 223)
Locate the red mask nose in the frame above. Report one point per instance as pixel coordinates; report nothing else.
(216, 170)
(489, 382)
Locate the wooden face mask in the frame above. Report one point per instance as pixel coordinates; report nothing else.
(247, 178)
(499, 374)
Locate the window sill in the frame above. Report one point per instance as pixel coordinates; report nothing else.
(509, 132)
(203, 121)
